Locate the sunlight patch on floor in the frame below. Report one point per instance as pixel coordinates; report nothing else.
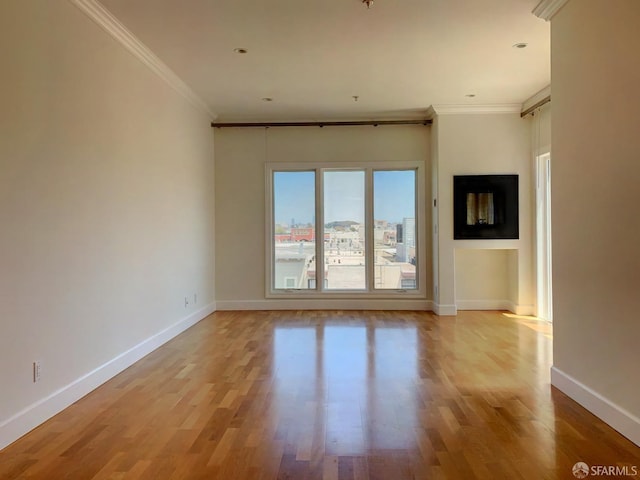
(534, 323)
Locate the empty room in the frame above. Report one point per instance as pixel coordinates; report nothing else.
(174, 173)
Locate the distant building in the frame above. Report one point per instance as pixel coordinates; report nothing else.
(389, 237)
(395, 276)
(294, 265)
(409, 231)
(300, 234)
(306, 234)
(406, 238)
(381, 224)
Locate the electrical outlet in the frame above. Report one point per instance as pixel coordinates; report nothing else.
(37, 371)
(186, 302)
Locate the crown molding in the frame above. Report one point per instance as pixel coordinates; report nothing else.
(474, 109)
(430, 114)
(546, 9)
(108, 22)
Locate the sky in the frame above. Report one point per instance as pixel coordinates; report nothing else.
(294, 196)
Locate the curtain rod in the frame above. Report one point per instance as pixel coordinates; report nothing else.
(529, 110)
(374, 123)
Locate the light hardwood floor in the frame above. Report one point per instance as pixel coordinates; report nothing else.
(332, 395)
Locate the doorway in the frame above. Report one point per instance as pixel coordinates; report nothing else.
(544, 302)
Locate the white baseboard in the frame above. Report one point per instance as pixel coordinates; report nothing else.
(445, 310)
(615, 416)
(494, 305)
(325, 304)
(40, 411)
(483, 305)
(520, 309)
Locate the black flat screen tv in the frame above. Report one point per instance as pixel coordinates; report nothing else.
(485, 207)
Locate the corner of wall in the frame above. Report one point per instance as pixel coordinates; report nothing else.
(621, 420)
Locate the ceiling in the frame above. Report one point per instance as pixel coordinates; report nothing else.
(313, 56)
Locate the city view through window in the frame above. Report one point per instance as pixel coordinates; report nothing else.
(344, 237)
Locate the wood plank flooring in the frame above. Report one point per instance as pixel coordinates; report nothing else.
(330, 395)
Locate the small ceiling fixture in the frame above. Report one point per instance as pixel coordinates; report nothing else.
(470, 95)
(368, 3)
(240, 50)
(520, 45)
(355, 98)
(267, 99)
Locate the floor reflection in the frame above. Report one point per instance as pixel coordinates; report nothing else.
(362, 378)
(332, 395)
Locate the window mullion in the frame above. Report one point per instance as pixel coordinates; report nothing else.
(368, 228)
(319, 230)
(270, 252)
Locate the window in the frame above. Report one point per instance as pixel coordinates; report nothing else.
(394, 218)
(293, 229)
(344, 229)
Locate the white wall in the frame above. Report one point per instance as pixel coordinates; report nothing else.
(241, 155)
(483, 279)
(595, 193)
(106, 207)
(478, 144)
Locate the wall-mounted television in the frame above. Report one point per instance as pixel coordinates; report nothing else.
(485, 207)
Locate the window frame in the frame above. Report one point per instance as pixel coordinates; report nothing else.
(370, 291)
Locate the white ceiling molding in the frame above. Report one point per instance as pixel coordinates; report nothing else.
(99, 14)
(430, 114)
(475, 109)
(541, 95)
(546, 9)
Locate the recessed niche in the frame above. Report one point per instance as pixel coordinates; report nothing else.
(485, 207)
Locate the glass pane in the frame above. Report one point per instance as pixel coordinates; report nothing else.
(344, 245)
(294, 241)
(394, 234)
(480, 209)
